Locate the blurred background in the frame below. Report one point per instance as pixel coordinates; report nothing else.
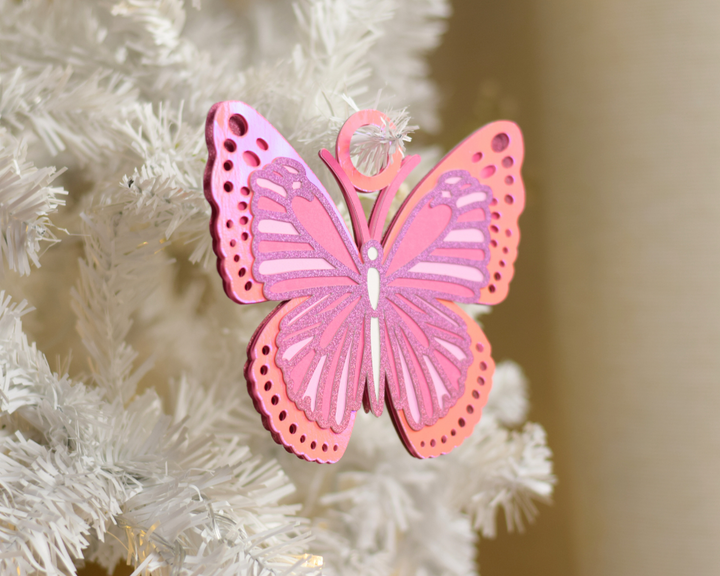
(613, 312)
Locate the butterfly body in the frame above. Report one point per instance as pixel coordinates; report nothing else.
(366, 321)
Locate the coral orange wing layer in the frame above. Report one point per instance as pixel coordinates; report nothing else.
(451, 430)
(493, 154)
(240, 141)
(289, 425)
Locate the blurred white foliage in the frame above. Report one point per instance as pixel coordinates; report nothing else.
(508, 401)
(26, 202)
(151, 452)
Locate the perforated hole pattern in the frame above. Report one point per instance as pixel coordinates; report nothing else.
(487, 168)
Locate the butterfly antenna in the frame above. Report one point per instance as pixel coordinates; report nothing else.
(386, 196)
(357, 215)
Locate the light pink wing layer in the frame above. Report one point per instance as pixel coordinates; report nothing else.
(493, 154)
(323, 357)
(287, 423)
(442, 246)
(239, 141)
(428, 350)
(449, 431)
(299, 241)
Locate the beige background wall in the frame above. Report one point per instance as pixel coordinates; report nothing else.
(614, 313)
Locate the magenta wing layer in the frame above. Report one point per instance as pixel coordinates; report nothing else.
(441, 253)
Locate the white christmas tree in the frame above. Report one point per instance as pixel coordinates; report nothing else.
(150, 451)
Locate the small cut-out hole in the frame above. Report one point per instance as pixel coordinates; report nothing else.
(325, 447)
(268, 385)
(502, 263)
(302, 439)
(487, 171)
(495, 215)
(266, 350)
(508, 161)
(238, 125)
(230, 145)
(229, 224)
(500, 142)
(242, 206)
(261, 144)
(313, 444)
(493, 243)
(251, 159)
(264, 370)
(443, 439)
(422, 444)
(275, 400)
(244, 236)
(461, 422)
(228, 186)
(245, 191)
(233, 242)
(283, 415)
(236, 258)
(481, 381)
(335, 448)
(228, 165)
(508, 232)
(483, 366)
(475, 394)
(432, 443)
(497, 276)
(293, 428)
(505, 250)
(509, 180)
(248, 285)
(491, 288)
(477, 157)
(509, 199)
(494, 229)
(453, 432)
(470, 409)
(244, 220)
(479, 347)
(242, 272)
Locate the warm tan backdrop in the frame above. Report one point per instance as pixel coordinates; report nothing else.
(614, 311)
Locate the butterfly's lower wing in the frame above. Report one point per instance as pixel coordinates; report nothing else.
(271, 394)
(428, 356)
(449, 431)
(493, 155)
(240, 142)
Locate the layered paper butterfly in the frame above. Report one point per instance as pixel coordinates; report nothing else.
(368, 319)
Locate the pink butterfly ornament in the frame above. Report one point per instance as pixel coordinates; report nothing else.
(365, 319)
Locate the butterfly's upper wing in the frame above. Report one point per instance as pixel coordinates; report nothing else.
(450, 241)
(299, 241)
(494, 155)
(240, 141)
